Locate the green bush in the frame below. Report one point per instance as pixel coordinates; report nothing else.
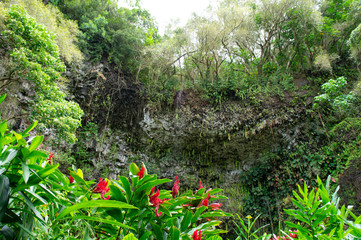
(33, 56)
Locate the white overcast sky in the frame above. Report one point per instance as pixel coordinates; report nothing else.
(164, 11)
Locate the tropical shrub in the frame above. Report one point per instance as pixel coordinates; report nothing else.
(317, 215)
(334, 95)
(32, 55)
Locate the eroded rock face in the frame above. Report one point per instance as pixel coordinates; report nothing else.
(213, 144)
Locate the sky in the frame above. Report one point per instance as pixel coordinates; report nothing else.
(164, 11)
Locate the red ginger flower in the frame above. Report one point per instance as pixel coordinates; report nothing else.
(102, 188)
(200, 185)
(215, 206)
(294, 234)
(155, 201)
(71, 179)
(50, 158)
(195, 235)
(141, 173)
(175, 188)
(205, 201)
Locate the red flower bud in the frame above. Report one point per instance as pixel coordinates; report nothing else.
(196, 235)
(50, 158)
(141, 173)
(175, 188)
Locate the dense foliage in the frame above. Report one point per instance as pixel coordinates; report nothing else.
(298, 55)
(31, 54)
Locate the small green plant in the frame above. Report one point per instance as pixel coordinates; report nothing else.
(334, 95)
(319, 215)
(247, 232)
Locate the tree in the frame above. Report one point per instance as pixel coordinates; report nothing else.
(31, 54)
(355, 45)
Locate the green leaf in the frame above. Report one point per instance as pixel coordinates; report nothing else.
(36, 142)
(134, 169)
(30, 204)
(101, 220)
(115, 213)
(26, 172)
(197, 213)
(94, 204)
(4, 195)
(186, 221)
(36, 196)
(7, 232)
(151, 184)
(26, 229)
(3, 128)
(10, 155)
(117, 193)
(11, 217)
(146, 235)
(36, 155)
(31, 127)
(215, 214)
(174, 233)
(2, 98)
(79, 180)
(130, 236)
(37, 177)
(157, 231)
(126, 186)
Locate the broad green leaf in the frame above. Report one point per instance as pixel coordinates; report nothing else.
(186, 221)
(157, 231)
(133, 168)
(2, 98)
(215, 214)
(79, 181)
(146, 235)
(214, 238)
(36, 196)
(26, 172)
(10, 155)
(174, 233)
(37, 177)
(3, 128)
(28, 231)
(79, 172)
(101, 220)
(10, 217)
(30, 204)
(36, 142)
(94, 204)
(117, 194)
(48, 191)
(126, 186)
(208, 224)
(163, 209)
(31, 127)
(198, 213)
(115, 213)
(151, 184)
(4, 195)
(18, 136)
(36, 155)
(130, 236)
